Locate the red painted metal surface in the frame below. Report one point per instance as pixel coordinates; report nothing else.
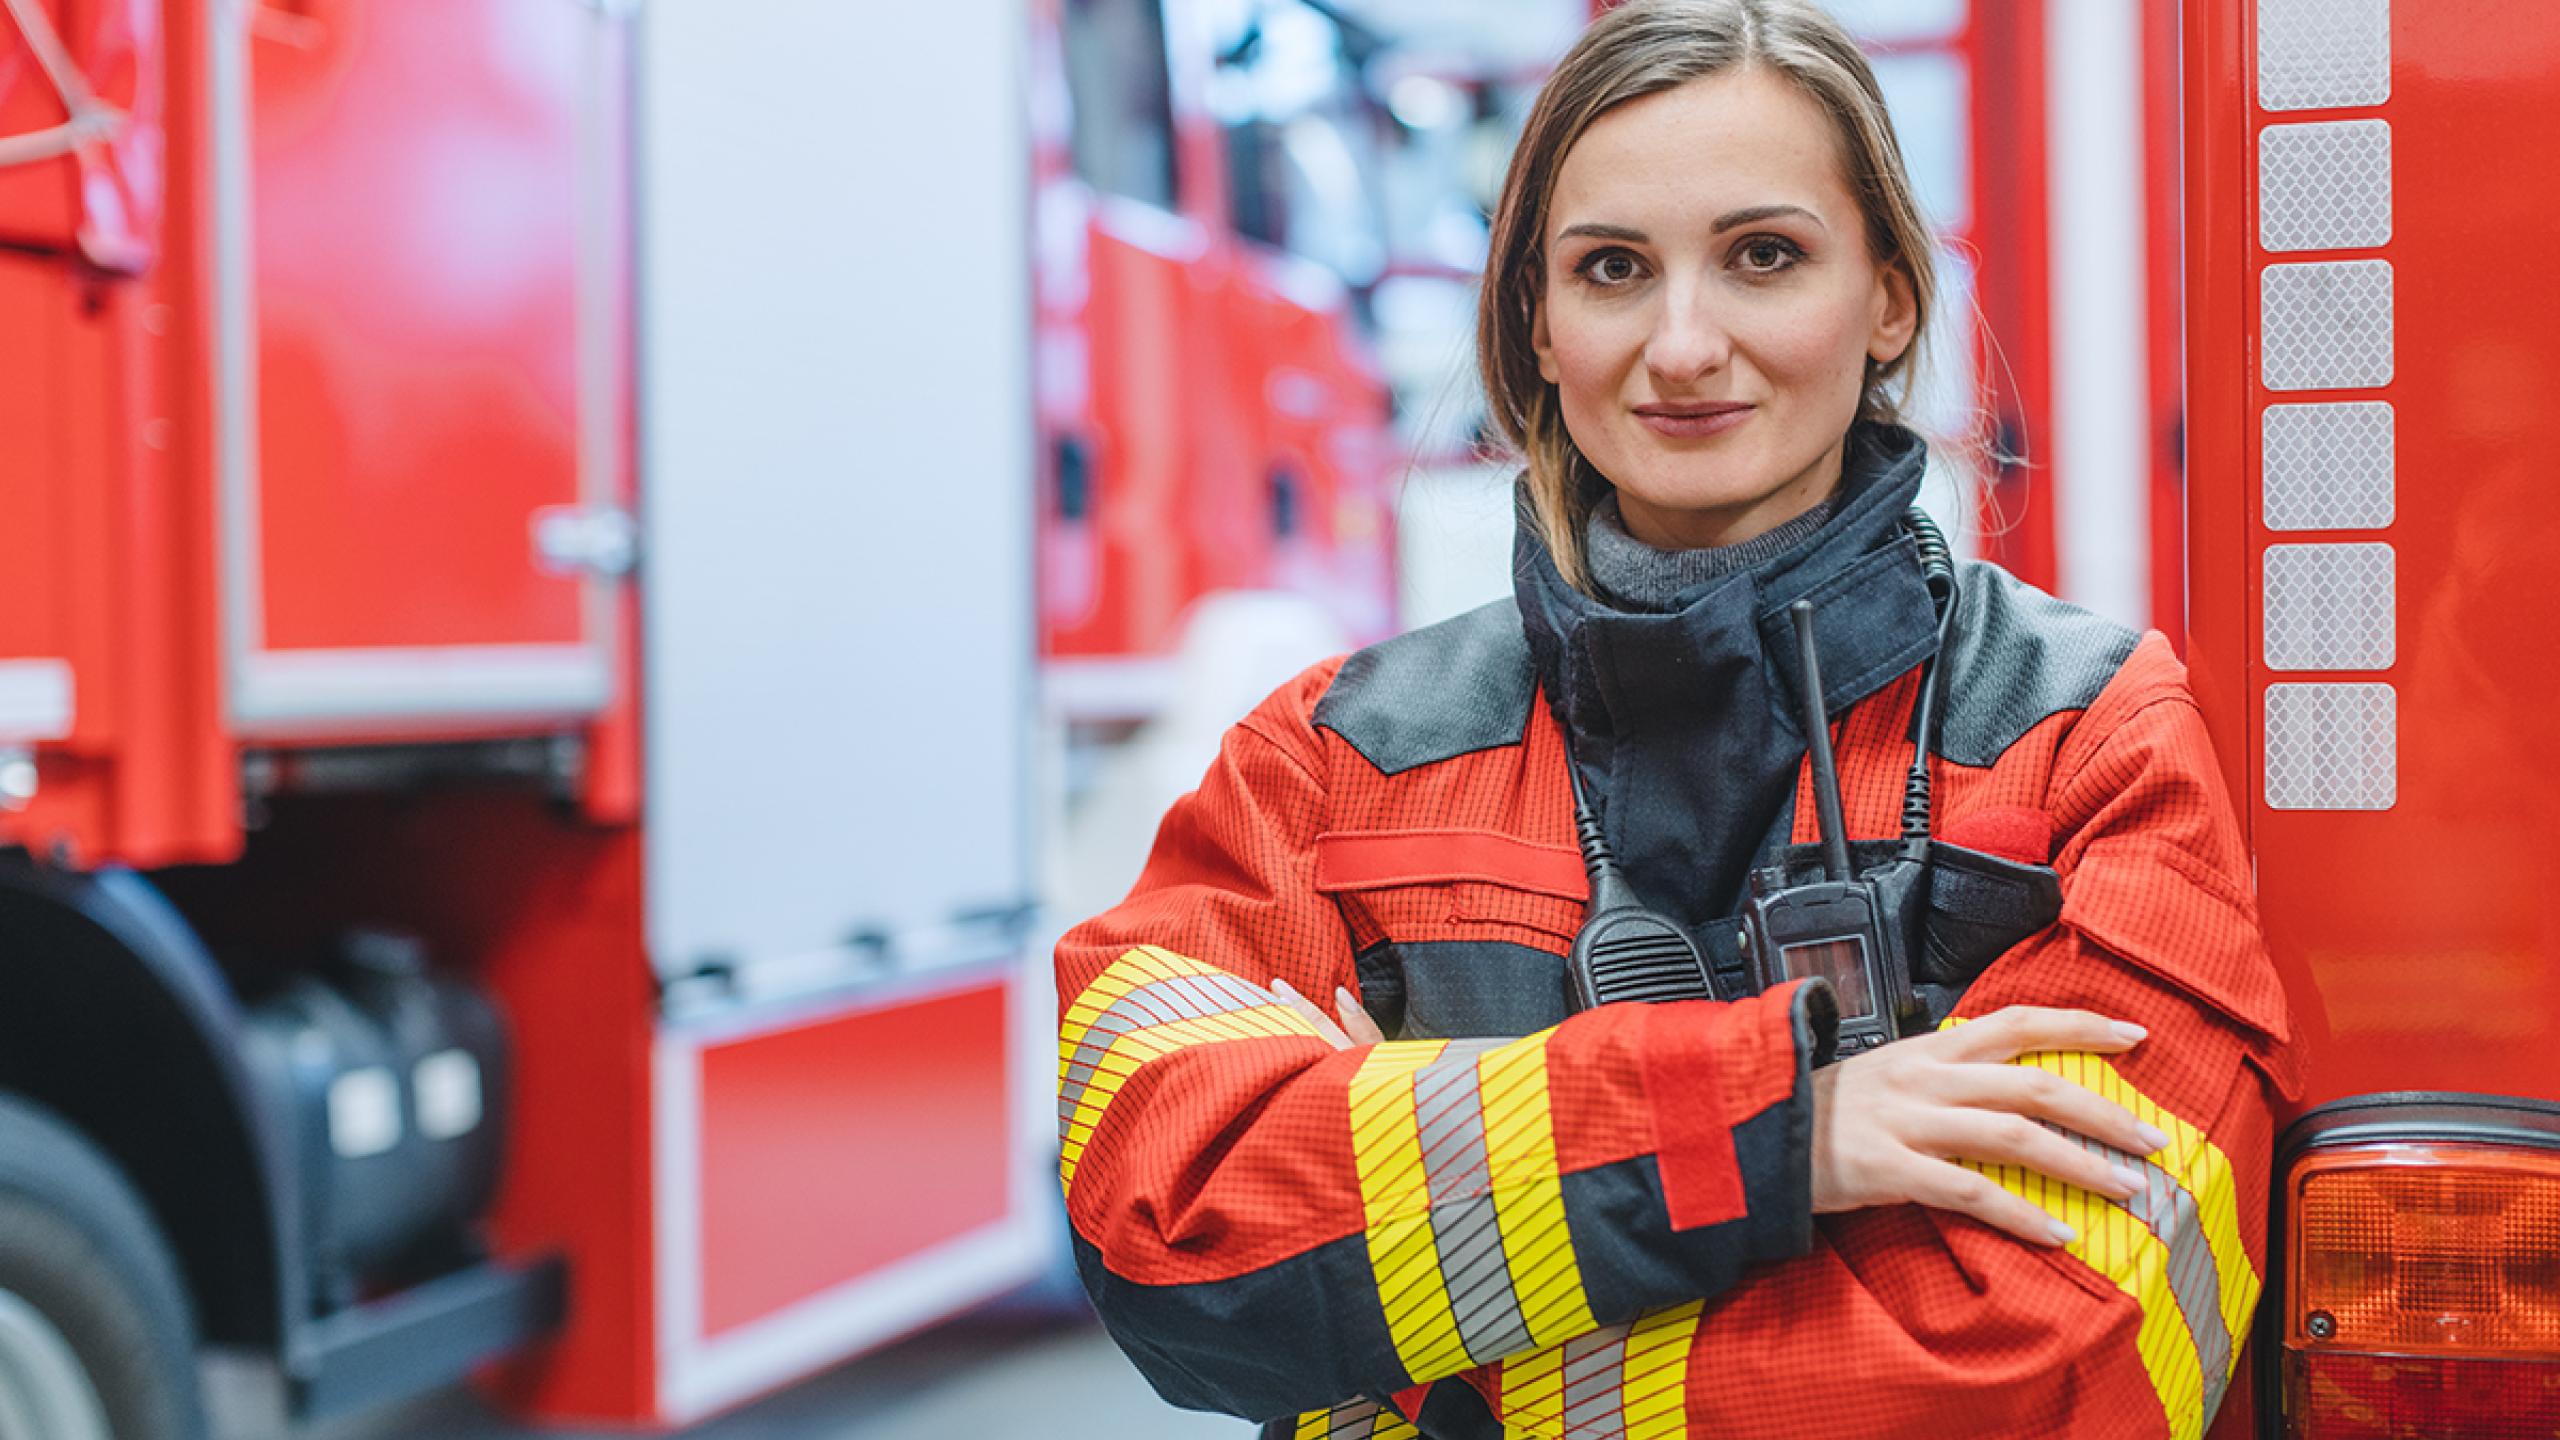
(2012, 217)
(106, 386)
(98, 192)
(832, 1150)
(2165, 306)
(417, 242)
(2418, 942)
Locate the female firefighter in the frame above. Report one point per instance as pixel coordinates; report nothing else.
(1506, 1210)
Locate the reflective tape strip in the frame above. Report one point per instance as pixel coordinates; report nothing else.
(1395, 1196)
(1625, 1382)
(1658, 1351)
(1466, 1226)
(1146, 1005)
(2174, 1248)
(1355, 1420)
(1455, 1147)
(1528, 1191)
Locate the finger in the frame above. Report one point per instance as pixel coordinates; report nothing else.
(1999, 1139)
(1324, 1024)
(2042, 1095)
(1355, 1021)
(2023, 1029)
(1969, 1192)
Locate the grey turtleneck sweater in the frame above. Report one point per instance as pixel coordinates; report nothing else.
(1635, 576)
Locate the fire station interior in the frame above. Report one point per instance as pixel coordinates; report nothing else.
(596, 582)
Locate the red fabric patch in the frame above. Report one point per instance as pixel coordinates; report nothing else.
(1410, 1401)
(1701, 1176)
(1359, 860)
(2012, 832)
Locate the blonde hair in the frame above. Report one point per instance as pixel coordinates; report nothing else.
(1639, 49)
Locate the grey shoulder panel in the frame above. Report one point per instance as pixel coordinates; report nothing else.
(1432, 694)
(2018, 658)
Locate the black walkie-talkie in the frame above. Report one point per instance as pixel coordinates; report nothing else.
(1842, 927)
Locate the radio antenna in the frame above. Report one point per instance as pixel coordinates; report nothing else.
(1817, 730)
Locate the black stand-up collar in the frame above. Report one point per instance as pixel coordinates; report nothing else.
(1687, 721)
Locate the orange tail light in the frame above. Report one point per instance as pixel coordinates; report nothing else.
(2421, 1291)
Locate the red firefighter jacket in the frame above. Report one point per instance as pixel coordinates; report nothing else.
(1511, 1221)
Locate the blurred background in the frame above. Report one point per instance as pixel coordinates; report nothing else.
(606, 576)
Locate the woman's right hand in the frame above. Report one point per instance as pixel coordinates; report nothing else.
(1887, 1124)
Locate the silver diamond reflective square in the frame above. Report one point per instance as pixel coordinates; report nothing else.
(2332, 747)
(2324, 186)
(2325, 325)
(2326, 467)
(2328, 607)
(2318, 54)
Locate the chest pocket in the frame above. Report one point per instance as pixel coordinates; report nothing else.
(1461, 933)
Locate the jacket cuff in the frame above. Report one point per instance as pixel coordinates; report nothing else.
(1711, 1069)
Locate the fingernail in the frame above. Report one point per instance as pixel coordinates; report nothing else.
(1282, 987)
(2062, 1234)
(2128, 1181)
(1343, 998)
(2153, 1141)
(2131, 1033)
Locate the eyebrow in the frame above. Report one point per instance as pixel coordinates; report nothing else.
(1730, 220)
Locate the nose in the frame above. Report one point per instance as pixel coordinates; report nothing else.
(1689, 341)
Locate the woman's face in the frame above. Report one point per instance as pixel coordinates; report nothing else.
(1710, 306)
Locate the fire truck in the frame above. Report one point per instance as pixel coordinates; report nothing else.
(517, 794)
(522, 676)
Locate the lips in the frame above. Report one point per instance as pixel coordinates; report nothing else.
(1692, 421)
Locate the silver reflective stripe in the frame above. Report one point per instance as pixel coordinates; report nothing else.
(1190, 997)
(2195, 1282)
(1448, 1106)
(1595, 1385)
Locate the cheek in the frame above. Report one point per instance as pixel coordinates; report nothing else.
(1813, 345)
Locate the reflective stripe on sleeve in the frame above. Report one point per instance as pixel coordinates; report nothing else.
(1625, 1382)
(2173, 1248)
(1455, 1147)
(1148, 1004)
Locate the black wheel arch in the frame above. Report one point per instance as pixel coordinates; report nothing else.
(114, 1016)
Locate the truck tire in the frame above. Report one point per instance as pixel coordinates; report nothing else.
(96, 1338)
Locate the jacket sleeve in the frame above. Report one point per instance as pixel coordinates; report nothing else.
(1268, 1225)
(1910, 1322)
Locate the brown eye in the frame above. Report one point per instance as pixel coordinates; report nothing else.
(1611, 267)
(1769, 254)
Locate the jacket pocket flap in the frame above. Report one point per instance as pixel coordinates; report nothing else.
(1382, 859)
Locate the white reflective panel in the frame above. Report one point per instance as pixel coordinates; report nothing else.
(2332, 747)
(2319, 54)
(2326, 326)
(2328, 467)
(1931, 100)
(2324, 186)
(2329, 607)
(1900, 22)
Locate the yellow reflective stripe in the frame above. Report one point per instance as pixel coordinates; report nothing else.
(1528, 1191)
(1533, 1394)
(1225, 1008)
(2198, 1165)
(1314, 1425)
(2119, 1245)
(1395, 1197)
(1658, 1372)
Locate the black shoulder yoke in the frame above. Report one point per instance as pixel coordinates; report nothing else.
(2019, 657)
(1446, 690)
